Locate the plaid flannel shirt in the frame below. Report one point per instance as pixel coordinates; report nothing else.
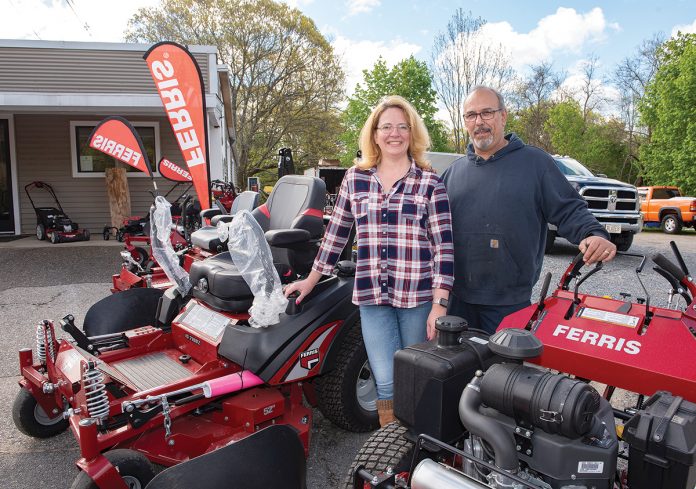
(404, 238)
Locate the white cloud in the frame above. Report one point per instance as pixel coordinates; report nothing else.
(361, 6)
(608, 94)
(686, 28)
(565, 30)
(54, 20)
(357, 56)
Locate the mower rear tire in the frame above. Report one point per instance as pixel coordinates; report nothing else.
(347, 395)
(135, 469)
(40, 232)
(30, 418)
(86, 235)
(122, 311)
(388, 447)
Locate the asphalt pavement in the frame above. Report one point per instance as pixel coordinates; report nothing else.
(39, 281)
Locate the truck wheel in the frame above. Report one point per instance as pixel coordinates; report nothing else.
(386, 448)
(550, 239)
(347, 395)
(622, 241)
(135, 469)
(671, 224)
(30, 418)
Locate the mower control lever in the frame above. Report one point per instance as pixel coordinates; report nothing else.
(680, 259)
(664, 263)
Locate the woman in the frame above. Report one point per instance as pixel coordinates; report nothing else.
(404, 239)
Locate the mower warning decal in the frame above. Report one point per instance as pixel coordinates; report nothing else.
(610, 317)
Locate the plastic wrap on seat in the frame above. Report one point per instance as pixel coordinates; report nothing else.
(162, 250)
(252, 257)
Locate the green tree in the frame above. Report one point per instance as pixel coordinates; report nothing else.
(410, 79)
(286, 82)
(566, 126)
(587, 137)
(669, 108)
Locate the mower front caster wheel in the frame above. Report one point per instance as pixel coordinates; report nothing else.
(30, 418)
(135, 469)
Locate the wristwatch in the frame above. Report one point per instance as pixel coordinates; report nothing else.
(441, 301)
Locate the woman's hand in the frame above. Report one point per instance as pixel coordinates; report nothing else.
(304, 287)
(436, 312)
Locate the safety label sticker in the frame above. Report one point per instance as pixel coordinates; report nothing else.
(589, 467)
(610, 317)
(205, 321)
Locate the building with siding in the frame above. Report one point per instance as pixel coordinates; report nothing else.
(53, 93)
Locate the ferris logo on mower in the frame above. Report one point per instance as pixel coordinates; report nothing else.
(309, 358)
(632, 347)
(180, 117)
(117, 150)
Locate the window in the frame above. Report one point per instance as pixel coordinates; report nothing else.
(88, 162)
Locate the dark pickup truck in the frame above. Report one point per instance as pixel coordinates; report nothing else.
(615, 204)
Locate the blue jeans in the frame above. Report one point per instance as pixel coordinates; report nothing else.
(481, 316)
(385, 330)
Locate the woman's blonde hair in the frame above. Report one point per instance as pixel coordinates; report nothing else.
(419, 142)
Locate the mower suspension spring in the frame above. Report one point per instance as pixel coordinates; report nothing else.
(95, 392)
(44, 341)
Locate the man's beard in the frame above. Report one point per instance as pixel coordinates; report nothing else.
(483, 141)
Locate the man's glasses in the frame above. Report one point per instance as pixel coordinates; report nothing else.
(486, 115)
(388, 128)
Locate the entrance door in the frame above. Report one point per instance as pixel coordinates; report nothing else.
(6, 209)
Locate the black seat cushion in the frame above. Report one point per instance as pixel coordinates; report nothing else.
(224, 287)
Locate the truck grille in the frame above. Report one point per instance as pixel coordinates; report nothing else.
(610, 199)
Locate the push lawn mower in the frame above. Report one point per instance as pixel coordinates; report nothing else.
(196, 377)
(474, 416)
(52, 222)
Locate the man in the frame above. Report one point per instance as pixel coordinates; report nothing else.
(502, 195)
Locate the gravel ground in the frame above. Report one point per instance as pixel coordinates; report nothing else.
(52, 281)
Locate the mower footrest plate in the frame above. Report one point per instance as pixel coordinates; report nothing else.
(152, 370)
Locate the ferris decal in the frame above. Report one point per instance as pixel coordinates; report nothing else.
(116, 137)
(632, 347)
(180, 85)
(172, 171)
(309, 358)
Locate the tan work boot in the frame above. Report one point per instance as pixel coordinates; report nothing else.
(385, 409)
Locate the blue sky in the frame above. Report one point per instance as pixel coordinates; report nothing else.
(564, 33)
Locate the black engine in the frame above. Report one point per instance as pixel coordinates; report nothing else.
(543, 428)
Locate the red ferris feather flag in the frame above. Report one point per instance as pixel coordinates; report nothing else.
(173, 172)
(180, 85)
(116, 137)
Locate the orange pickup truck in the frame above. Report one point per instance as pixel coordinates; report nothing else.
(665, 207)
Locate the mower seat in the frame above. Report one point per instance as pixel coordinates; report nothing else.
(292, 220)
(217, 281)
(207, 237)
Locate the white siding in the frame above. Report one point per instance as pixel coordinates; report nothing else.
(43, 153)
(25, 69)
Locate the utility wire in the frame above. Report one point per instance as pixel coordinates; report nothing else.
(85, 25)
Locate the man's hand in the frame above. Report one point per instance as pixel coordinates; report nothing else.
(596, 248)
